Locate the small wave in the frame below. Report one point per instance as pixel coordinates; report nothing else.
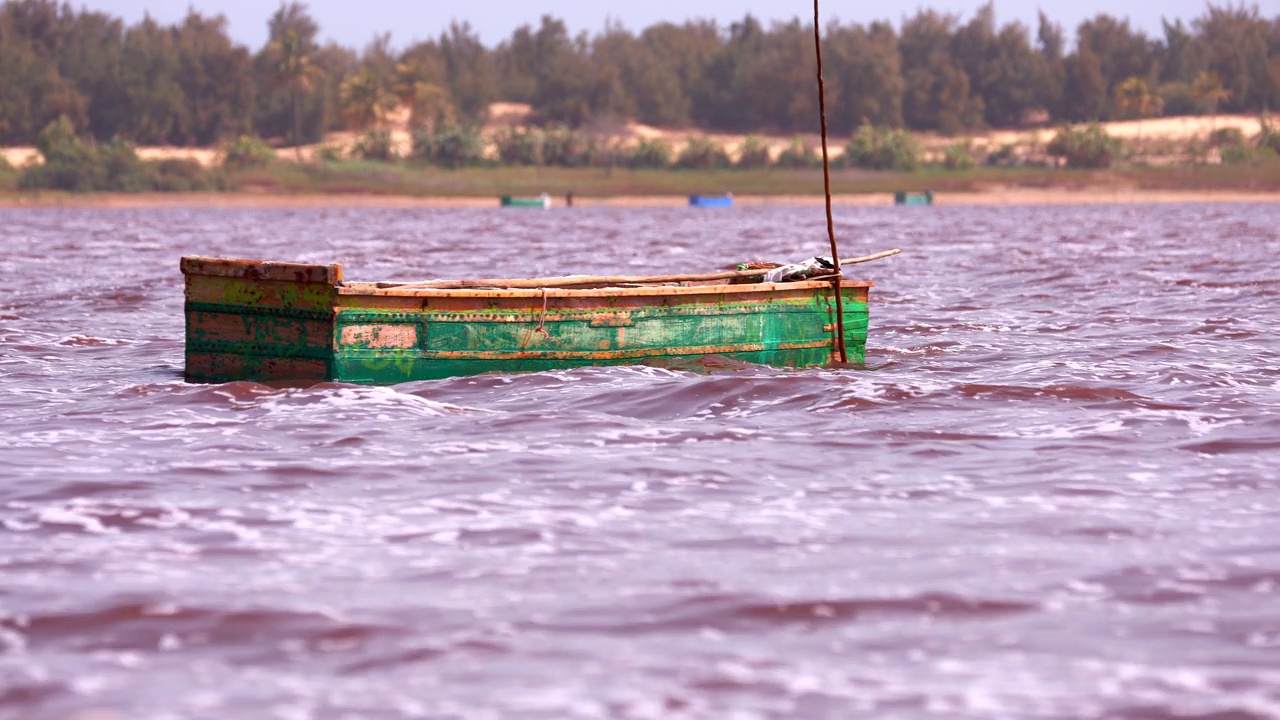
(713, 396)
(386, 661)
(145, 625)
(68, 489)
(30, 694)
(1164, 585)
(1179, 711)
(1227, 284)
(1230, 446)
(725, 612)
(106, 517)
(90, 341)
(1050, 392)
(913, 437)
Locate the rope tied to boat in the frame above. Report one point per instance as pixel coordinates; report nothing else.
(542, 321)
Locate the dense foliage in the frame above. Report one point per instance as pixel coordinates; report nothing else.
(190, 84)
(881, 148)
(1088, 147)
(246, 151)
(73, 164)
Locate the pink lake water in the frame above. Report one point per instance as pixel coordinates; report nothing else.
(1053, 491)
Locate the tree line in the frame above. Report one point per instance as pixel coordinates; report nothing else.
(190, 84)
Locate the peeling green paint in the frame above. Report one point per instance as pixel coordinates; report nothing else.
(506, 340)
(257, 329)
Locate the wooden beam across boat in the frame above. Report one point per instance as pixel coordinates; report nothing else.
(573, 280)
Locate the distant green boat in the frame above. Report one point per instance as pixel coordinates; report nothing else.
(264, 321)
(913, 198)
(540, 201)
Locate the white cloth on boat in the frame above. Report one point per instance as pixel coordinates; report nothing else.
(801, 270)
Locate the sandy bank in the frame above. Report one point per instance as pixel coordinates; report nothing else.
(1160, 136)
(1011, 196)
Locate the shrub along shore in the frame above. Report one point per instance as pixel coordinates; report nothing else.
(87, 88)
(460, 161)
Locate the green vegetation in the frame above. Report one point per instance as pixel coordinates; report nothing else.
(76, 165)
(653, 154)
(882, 148)
(1090, 147)
(406, 179)
(564, 147)
(190, 84)
(520, 146)
(702, 154)
(245, 151)
(452, 161)
(375, 144)
(290, 61)
(413, 179)
(1269, 138)
(798, 155)
(452, 146)
(86, 88)
(328, 153)
(1236, 150)
(958, 156)
(754, 153)
(559, 146)
(8, 175)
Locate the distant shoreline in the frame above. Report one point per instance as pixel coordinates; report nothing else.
(240, 200)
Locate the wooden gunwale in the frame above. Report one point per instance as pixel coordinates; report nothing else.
(602, 281)
(370, 289)
(555, 314)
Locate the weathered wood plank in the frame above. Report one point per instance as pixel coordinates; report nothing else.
(223, 367)
(574, 280)
(800, 288)
(258, 329)
(259, 294)
(261, 270)
(471, 301)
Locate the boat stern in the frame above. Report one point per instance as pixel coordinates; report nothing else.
(260, 321)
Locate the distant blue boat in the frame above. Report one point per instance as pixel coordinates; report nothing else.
(711, 201)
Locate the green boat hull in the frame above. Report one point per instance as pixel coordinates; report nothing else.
(274, 321)
(528, 202)
(913, 198)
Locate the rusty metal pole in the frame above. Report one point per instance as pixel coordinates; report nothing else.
(826, 186)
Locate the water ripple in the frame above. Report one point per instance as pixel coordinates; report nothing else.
(1050, 493)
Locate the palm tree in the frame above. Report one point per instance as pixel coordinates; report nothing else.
(1207, 89)
(293, 67)
(1133, 99)
(429, 104)
(365, 102)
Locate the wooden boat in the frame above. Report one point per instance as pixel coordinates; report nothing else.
(913, 198)
(540, 201)
(711, 201)
(250, 320)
